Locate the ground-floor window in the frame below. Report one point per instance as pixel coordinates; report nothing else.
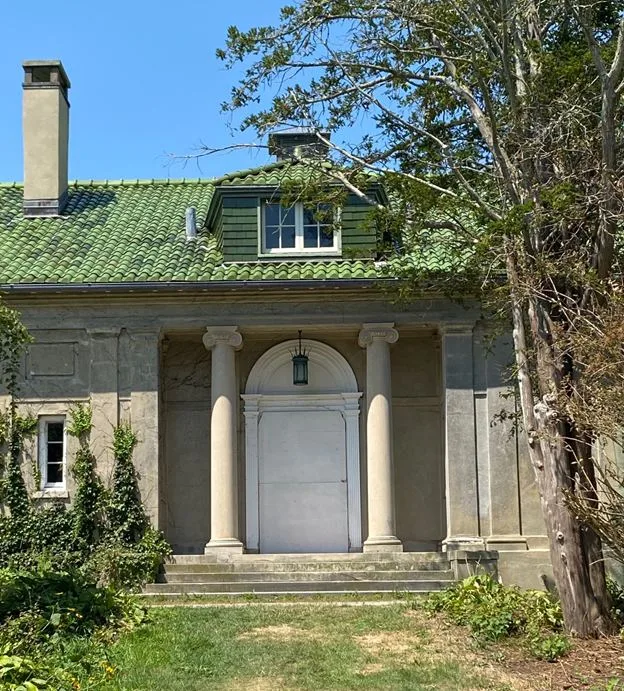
(52, 447)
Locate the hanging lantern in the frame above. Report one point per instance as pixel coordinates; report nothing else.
(300, 365)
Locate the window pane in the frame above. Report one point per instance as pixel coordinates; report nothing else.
(327, 236)
(310, 236)
(55, 431)
(272, 214)
(288, 236)
(288, 216)
(55, 453)
(271, 238)
(309, 217)
(55, 473)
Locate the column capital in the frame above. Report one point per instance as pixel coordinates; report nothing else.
(227, 335)
(383, 331)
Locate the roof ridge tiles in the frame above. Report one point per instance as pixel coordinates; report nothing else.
(128, 182)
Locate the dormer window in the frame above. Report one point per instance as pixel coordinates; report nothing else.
(298, 229)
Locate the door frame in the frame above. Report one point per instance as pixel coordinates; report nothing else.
(348, 405)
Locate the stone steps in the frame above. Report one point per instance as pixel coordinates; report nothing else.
(303, 574)
(276, 588)
(310, 567)
(305, 557)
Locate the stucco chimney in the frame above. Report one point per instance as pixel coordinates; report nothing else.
(45, 122)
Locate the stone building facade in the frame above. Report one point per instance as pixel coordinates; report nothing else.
(176, 306)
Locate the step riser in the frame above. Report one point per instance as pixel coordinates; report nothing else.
(280, 567)
(331, 557)
(304, 586)
(294, 577)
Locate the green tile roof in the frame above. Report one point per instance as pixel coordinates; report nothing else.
(134, 231)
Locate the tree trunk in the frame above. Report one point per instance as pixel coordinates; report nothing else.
(576, 556)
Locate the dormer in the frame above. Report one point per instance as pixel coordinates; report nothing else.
(255, 221)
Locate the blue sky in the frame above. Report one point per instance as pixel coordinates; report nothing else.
(145, 82)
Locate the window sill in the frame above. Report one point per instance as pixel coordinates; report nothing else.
(301, 255)
(51, 493)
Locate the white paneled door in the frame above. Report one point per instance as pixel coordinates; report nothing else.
(302, 482)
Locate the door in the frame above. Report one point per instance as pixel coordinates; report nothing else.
(302, 479)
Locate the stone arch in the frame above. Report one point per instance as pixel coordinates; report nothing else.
(330, 373)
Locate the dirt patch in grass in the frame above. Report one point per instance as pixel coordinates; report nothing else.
(372, 668)
(260, 684)
(395, 644)
(592, 664)
(282, 632)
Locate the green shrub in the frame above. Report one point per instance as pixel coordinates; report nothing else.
(549, 648)
(24, 674)
(67, 620)
(494, 611)
(616, 593)
(128, 566)
(56, 627)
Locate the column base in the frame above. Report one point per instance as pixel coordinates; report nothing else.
(382, 543)
(463, 543)
(225, 546)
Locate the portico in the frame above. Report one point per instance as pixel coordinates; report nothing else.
(302, 471)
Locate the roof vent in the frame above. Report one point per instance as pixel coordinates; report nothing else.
(191, 223)
(299, 142)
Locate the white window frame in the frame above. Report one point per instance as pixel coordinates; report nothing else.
(44, 421)
(299, 249)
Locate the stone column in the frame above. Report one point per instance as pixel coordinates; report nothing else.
(462, 495)
(376, 338)
(223, 341)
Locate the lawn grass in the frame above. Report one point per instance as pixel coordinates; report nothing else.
(294, 648)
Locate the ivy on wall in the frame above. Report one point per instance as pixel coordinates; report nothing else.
(106, 532)
(13, 428)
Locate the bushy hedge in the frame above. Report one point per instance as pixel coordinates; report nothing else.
(494, 611)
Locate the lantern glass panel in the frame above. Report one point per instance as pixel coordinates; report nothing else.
(300, 370)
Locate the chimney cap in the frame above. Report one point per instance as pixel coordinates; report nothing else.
(45, 73)
(301, 142)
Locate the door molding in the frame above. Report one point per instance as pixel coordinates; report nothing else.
(348, 404)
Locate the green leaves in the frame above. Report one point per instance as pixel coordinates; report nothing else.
(124, 441)
(80, 416)
(493, 611)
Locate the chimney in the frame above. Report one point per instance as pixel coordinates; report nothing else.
(298, 142)
(46, 134)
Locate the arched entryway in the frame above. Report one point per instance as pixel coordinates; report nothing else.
(302, 454)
